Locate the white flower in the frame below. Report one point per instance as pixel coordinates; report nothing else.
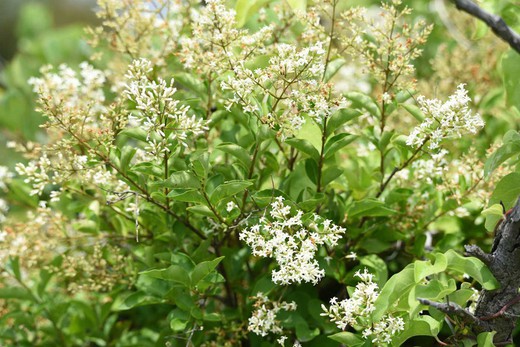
(292, 244)
(263, 319)
(356, 312)
(452, 118)
(230, 206)
(157, 112)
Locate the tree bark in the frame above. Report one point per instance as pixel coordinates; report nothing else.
(498, 310)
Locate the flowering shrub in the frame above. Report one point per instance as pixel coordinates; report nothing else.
(214, 175)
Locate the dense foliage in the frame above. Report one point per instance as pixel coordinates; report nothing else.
(253, 173)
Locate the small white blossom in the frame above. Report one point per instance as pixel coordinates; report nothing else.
(263, 319)
(452, 118)
(157, 112)
(356, 312)
(293, 245)
(230, 206)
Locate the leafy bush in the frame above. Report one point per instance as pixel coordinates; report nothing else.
(275, 173)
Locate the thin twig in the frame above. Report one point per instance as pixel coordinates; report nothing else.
(496, 23)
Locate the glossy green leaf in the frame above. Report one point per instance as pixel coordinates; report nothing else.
(493, 215)
(337, 142)
(485, 339)
(472, 267)
(333, 67)
(340, 117)
(183, 179)
(360, 100)
(397, 287)
(509, 148)
(238, 152)
(136, 299)
(304, 146)
(421, 326)
(203, 269)
(423, 269)
(330, 174)
(127, 153)
(228, 189)
(511, 77)
(173, 273)
(348, 338)
(414, 111)
(15, 293)
(370, 208)
(507, 190)
(187, 195)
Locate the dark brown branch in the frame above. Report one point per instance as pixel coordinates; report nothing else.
(496, 23)
(497, 308)
(475, 251)
(451, 309)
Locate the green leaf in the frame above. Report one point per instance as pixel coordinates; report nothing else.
(203, 269)
(173, 273)
(187, 195)
(304, 146)
(311, 169)
(486, 339)
(183, 179)
(15, 293)
(341, 117)
(330, 174)
(189, 81)
(238, 152)
(298, 5)
(333, 67)
(242, 8)
(493, 215)
(22, 193)
(507, 190)
(360, 100)
(509, 148)
(337, 142)
(134, 300)
(414, 111)
(127, 153)
(177, 324)
(423, 269)
(228, 189)
(421, 326)
(511, 77)
(202, 210)
(397, 287)
(348, 338)
(472, 267)
(370, 208)
(135, 133)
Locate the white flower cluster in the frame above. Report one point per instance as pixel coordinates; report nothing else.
(429, 169)
(384, 44)
(214, 29)
(158, 113)
(293, 79)
(69, 100)
(285, 238)
(144, 28)
(356, 312)
(452, 118)
(263, 319)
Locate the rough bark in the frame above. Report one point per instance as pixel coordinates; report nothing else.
(498, 310)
